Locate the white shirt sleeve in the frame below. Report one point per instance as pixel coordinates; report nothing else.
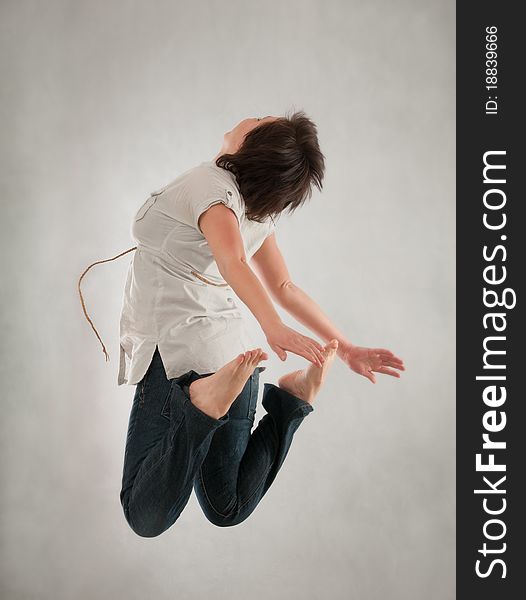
(205, 191)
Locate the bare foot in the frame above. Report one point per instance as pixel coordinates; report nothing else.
(215, 393)
(306, 383)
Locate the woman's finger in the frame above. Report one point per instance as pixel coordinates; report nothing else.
(387, 371)
(299, 347)
(317, 361)
(370, 376)
(390, 363)
(309, 354)
(318, 353)
(384, 351)
(388, 354)
(282, 355)
(309, 342)
(316, 344)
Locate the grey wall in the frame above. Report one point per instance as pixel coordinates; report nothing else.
(103, 102)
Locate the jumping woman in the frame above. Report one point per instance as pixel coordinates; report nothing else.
(184, 342)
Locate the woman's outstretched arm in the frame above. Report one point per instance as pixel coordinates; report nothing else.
(221, 230)
(270, 266)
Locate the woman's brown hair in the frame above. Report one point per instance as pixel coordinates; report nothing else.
(276, 166)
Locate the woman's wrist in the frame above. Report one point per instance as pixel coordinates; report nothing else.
(270, 323)
(343, 347)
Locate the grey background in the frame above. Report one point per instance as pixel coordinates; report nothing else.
(103, 102)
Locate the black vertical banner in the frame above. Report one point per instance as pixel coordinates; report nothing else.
(491, 344)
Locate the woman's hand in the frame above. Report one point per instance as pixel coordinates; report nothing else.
(280, 338)
(366, 360)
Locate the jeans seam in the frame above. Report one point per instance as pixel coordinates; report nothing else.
(201, 479)
(140, 404)
(151, 469)
(166, 402)
(263, 479)
(170, 448)
(250, 397)
(156, 463)
(142, 390)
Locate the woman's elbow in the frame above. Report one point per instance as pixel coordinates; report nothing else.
(282, 292)
(225, 266)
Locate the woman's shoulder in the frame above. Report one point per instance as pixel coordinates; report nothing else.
(210, 178)
(202, 184)
(223, 175)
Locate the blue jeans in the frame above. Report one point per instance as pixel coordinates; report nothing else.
(173, 447)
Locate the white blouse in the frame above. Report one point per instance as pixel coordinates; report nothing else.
(174, 296)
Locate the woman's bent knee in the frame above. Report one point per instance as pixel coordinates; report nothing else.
(146, 528)
(229, 520)
(146, 531)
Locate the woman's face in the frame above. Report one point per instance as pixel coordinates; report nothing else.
(233, 139)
